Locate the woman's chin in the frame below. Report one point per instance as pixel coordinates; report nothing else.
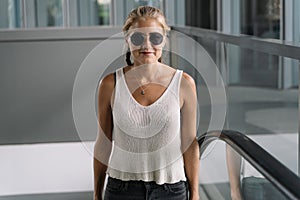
(146, 61)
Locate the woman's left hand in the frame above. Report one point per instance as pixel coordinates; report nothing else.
(194, 197)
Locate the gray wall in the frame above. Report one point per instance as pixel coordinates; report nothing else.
(37, 72)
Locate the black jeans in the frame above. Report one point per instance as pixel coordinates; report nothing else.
(139, 190)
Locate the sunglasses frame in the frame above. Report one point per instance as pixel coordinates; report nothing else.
(144, 35)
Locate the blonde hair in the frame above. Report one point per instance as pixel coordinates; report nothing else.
(144, 12)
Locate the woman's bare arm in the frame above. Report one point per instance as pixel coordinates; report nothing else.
(233, 161)
(188, 131)
(102, 148)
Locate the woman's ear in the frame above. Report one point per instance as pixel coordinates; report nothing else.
(127, 43)
(125, 47)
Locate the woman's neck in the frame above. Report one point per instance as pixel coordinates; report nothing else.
(146, 71)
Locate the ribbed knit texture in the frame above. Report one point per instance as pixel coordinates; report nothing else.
(146, 139)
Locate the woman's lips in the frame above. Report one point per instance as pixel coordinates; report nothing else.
(147, 53)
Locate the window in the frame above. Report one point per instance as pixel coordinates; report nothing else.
(10, 14)
(48, 13)
(154, 3)
(261, 18)
(54, 13)
(74, 13)
(104, 12)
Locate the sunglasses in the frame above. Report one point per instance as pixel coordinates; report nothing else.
(138, 38)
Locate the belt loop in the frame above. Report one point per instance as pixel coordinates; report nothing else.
(166, 187)
(125, 186)
(147, 185)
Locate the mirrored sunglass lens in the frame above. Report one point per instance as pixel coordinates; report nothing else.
(137, 39)
(156, 38)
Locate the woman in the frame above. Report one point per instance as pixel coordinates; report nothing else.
(148, 110)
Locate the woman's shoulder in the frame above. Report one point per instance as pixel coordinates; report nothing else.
(107, 83)
(188, 78)
(108, 79)
(187, 82)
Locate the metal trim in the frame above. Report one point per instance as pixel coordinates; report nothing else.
(270, 46)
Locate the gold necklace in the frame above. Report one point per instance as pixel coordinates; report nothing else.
(143, 92)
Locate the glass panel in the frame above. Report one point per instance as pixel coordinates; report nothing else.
(87, 12)
(213, 175)
(10, 14)
(224, 174)
(259, 107)
(49, 13)
(104, 11)
(256, 104)
(258, 69)
(198, 61)
(261, 18)
(206, 18)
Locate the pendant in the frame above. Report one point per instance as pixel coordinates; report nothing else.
(142, 92)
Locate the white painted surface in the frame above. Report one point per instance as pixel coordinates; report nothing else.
(45, 168)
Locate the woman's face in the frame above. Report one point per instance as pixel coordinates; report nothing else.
(146, 40)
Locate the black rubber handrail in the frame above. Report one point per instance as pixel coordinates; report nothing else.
(278, 174)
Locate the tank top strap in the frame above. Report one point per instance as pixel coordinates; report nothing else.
(175, 84)
(119, 73)
(118, 86)
(119, 81)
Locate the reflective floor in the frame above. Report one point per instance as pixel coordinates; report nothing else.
(253, 110)
(263, 111)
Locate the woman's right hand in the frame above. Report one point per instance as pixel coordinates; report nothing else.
(236, 195)
(96, 197)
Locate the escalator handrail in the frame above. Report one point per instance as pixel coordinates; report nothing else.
(270, 46)
(273, 170)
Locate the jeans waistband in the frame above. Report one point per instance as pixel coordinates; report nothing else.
(140, 183)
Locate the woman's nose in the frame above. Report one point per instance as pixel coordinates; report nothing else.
(146, 42)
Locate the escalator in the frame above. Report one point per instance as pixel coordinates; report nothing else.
(271, 180)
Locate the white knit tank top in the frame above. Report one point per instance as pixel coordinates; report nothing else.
(146, 139)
